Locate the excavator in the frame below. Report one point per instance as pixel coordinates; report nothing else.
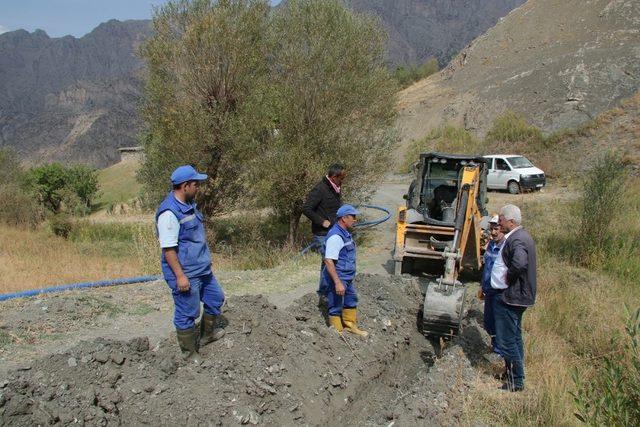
(439, 231)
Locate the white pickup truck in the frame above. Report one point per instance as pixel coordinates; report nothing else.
(513, 173)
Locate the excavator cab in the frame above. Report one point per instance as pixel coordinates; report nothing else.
(439, 233)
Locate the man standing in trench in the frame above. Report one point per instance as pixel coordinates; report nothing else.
(340, 263)
(321, 206)
(488, 293)
(186, 263)
(514, 277)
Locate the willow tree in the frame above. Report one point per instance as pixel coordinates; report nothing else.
(334, 102)
(204, 101)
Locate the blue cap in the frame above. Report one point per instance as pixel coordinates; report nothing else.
(346, 210)
(186, 173)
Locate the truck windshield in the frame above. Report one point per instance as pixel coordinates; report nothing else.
(520, 162)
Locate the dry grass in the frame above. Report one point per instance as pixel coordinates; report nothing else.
(577, 312)
(36, 259)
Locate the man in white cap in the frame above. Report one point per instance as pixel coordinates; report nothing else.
(186, 263)
(488, 293)
(340, 263)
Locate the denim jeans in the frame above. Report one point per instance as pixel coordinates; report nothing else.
(320, 246)
(490, 297)
(508, 320)
(337, 302)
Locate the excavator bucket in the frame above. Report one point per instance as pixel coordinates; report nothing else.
(443, 309)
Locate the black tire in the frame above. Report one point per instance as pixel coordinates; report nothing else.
(513, 187)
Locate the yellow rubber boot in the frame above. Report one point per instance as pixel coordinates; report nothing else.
(336, 322)
(349, 316)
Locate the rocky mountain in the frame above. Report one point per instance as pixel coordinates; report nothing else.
(74, 99)
(422, 29)
(559, 63)
(71, 99)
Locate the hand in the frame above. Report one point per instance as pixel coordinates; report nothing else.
(183, 284)
(326, 223)
(480, 294)
(339, 288)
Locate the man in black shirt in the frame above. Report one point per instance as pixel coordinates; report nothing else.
(321, 206)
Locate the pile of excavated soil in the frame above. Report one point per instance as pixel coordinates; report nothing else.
(274, 366)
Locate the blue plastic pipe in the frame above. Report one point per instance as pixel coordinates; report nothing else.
(113, 282)
(371, 223)
(142, 279)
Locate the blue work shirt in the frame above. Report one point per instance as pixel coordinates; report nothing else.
(192, 249)
(493, 249)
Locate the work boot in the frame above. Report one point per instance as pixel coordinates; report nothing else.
(188, 344)
(208, 330)
(336, 322)
(349, 316)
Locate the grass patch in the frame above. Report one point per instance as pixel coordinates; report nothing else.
(118, 184)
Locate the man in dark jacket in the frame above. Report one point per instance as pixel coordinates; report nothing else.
(514, 276)
(321, 206)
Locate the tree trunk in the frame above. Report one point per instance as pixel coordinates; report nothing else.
(294, 225)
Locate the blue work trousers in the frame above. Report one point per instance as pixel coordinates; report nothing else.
(508, 320)
(337, 302)
(490, 296)
(319, 242)
(187, 304)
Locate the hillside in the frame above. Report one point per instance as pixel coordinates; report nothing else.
(75, 99)
(70, 99)
(558, 63)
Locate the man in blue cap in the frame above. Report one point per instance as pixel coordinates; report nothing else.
(186, 263)
(340, 263)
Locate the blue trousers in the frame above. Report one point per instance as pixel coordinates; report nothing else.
(337, 302)
(508, 319)
(490, 296)
(187, 304)
(321, 247)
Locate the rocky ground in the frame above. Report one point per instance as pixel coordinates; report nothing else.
(275, 366)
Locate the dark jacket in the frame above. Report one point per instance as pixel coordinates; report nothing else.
(322, 203)
(519, 255)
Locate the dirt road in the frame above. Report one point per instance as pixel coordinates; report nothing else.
(109, 355)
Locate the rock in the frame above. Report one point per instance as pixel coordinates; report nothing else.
(168, 366)
(101, 356)
(111, 378)
(23, 367)
(18, 405)
(86, 359)
(139, 344)
(72, 362)
(118, 358)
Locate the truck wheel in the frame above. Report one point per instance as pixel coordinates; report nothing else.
(513, 187)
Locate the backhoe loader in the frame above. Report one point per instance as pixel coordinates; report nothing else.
(439, 232)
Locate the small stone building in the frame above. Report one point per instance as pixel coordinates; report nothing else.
(131, 153)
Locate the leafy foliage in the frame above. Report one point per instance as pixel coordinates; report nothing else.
(205, 97)
(511, 128)
(335, 104)
(612, 397)
(407, 75)
(56, 186)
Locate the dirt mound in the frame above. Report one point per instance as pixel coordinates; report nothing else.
(274, 366)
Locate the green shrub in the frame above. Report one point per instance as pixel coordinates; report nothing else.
(602, 201)
(19, 208)
(512, 128)
(447, 139)
(58, 187)
(61, 225)
(612, 396)
(407, 75)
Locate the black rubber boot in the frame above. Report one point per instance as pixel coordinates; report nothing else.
(209, 330)
(187, 339)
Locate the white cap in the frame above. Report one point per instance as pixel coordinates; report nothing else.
(494, 220)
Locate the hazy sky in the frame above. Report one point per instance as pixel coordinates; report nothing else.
(76, 17)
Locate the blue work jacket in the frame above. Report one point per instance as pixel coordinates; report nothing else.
(193, 251)
(346, 264)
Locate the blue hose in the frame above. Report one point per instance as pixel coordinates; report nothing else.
(142, 279)
(113, 282)
(371, 223)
